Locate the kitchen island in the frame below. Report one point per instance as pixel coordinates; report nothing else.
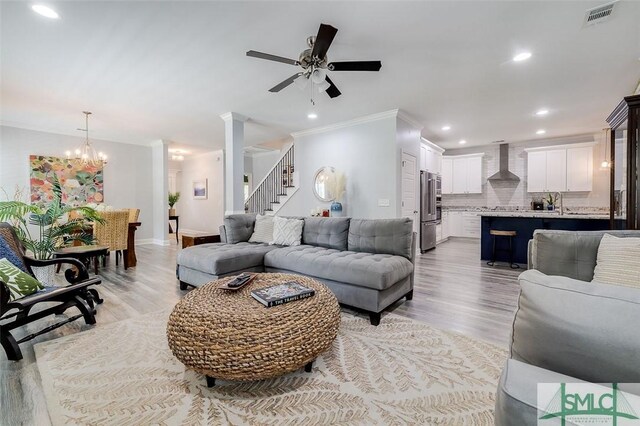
(525, 223)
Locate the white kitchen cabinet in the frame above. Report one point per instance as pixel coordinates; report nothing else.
(462, 174)
(462, 224)
(423, 157)
(447, 175)
(455, 224)
(430, 157)
(579, 169)
(560, 168)
(537, 171)
(474, 175)
(556, 170)
(460, 177)
(471, 224)
(438, 233)
(445, 225)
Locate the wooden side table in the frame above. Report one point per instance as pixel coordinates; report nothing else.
(84, 254)
(197, 238)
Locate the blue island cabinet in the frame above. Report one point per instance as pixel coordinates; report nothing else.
(525, 226)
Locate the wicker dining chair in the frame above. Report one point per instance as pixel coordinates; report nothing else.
(134, 214)
(114, 231)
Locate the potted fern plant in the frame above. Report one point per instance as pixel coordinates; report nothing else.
(174, 197)
(44, 230)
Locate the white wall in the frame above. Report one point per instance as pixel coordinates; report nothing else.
(261, 164)
(514, 194)
(127, 176)
(366, 152)
(202, 215)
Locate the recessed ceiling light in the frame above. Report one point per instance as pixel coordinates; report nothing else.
(522, 56)
(462, 142)
(541, 132)
(312, 116)
(45, 11)
(542, 112)
(445, 128)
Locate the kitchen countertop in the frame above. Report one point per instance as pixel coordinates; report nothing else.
(541, 214)
(525, 213)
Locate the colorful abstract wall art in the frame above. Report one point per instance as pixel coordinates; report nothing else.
(81, 184)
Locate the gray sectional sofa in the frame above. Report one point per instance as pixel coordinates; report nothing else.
(568, 329)
(367, 263)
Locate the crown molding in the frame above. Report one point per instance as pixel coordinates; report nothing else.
(233, 116)
(406, 117)
(439, 149)
(565, 146)
(477, 154)
(352, 122)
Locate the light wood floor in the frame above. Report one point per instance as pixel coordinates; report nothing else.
(453, 290)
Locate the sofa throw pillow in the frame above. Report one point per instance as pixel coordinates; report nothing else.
(618, 261)
(7, 252)
(20, 283)
(287, 232)
(262, 230)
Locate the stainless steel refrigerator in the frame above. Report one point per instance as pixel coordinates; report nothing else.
(429, 209)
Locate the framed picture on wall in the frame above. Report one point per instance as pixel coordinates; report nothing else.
(200, 189)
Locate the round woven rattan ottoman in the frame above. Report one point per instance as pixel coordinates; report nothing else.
(228, 335)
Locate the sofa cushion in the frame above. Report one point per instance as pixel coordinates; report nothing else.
(221, 258)
(239, 227)
(328, 232)
(377, 271)
(262, 230)
(389, 236)
(585, 330)
(569, 253)
(287, 232)
(618, 261)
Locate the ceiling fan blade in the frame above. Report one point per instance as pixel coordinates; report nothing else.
(325, 36)
(269, 57)
(278, 87)
(355, 66)
(332, 91)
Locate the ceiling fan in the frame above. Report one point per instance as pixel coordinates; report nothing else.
(314, 63)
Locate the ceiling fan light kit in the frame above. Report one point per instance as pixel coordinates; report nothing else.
(314, 64)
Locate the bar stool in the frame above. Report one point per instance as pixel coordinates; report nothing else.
(495, 233)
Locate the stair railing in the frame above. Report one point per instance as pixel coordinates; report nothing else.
(273, 185)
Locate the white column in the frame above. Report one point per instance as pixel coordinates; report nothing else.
(160, 173)
(233, 162)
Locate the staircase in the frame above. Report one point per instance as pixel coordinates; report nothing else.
(276, 188)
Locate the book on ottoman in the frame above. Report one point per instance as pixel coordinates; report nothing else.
(282, 293)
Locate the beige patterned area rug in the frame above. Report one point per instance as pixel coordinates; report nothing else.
(402, 372)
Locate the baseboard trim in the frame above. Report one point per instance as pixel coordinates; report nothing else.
(144, 241)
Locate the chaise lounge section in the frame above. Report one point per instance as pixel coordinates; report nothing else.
(367, 263)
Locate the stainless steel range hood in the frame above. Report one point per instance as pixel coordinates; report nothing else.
(504, 174)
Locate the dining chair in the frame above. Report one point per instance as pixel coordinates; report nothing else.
(114, 231)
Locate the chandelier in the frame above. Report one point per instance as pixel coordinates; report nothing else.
(85, 154)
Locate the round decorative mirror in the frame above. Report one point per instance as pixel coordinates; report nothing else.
(321, 187)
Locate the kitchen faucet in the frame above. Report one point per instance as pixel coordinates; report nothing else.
(559, 195)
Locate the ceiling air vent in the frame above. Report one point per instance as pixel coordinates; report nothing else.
(599, 14)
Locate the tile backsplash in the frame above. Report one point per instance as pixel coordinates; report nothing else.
(514, 194)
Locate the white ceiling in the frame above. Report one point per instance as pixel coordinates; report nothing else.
(167, 70)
